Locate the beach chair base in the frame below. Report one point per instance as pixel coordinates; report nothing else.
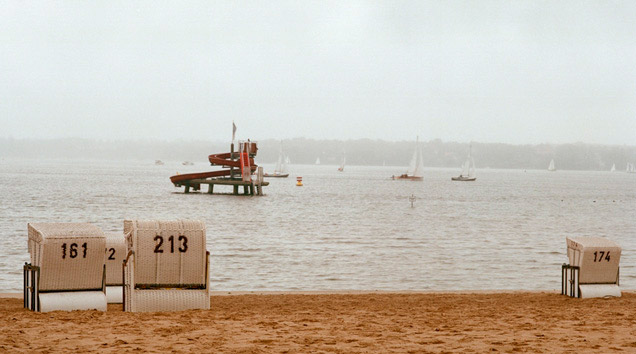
(44, 301)
(599, 290)
(136, 299)
(570, 277)
(74, 300)
(114, 294)
(169, 300)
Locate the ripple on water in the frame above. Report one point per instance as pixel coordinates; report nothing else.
(505, 231)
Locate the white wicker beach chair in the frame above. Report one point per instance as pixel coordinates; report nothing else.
(166, 267)
(67, 270)
(593, 270)
(115, 255)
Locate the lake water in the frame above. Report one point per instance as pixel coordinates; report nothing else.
(352, 230)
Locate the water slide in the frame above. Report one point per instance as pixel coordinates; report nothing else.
(223, 159)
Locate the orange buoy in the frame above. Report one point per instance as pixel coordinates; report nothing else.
(299, 181)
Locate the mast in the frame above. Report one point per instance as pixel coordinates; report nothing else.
(279, 162)
(232, 150)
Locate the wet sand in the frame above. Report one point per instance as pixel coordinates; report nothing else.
(534, 322)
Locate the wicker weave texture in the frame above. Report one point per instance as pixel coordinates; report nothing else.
(170, 300)
(128, 226)
(582, 242)
(599, 259)
(145, 300)
(70, 255)
(38, 233)
(115, 255)
(169, 252)
(129, 283)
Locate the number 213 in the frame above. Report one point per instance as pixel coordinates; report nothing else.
(159, 243)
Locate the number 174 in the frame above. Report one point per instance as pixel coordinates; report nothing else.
(600, 255)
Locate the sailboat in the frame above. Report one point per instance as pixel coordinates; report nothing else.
(613, 169)
(551, 168)
(281, 165)
(468, 169)
(317, 161)
(416, 168)
(630, 168)
(342, 164)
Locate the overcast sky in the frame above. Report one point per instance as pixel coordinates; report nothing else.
(490, 71)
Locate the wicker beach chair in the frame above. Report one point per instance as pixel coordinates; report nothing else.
(166, 266)
(115, 255)
(67, 270)
(593, 270)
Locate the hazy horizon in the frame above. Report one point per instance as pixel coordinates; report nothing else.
(436, 153)
(256, 139)
(518, 73)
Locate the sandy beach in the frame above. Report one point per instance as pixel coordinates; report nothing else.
(539, 322)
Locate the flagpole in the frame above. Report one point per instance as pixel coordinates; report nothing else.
(232, 150)
(233, 131)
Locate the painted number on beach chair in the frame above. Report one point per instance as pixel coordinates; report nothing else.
(159, 243)
(112, 254)
(72, 250)
(601, 254)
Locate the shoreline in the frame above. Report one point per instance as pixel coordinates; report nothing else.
(362, 292)
(351, 292)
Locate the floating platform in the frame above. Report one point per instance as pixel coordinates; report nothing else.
(249, 187)
(242, 169)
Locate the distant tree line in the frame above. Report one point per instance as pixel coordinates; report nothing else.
(577, 156)
(437, 153)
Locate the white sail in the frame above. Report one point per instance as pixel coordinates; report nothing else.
(468, 168)
(419, 170)
(613, 167)
(281, 163)
(465, 168)
(318, 161)
(551, 167)
(416, 169)
(471, 169)
(413, 164)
